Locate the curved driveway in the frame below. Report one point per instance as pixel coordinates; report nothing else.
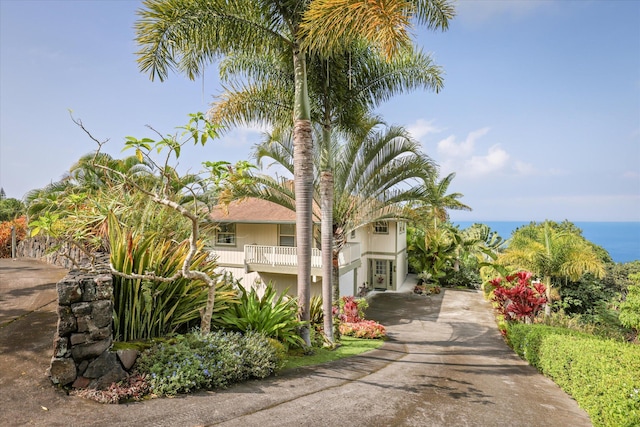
(445, 365)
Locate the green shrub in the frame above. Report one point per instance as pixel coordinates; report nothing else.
(630, 308)
(525, 339)
(601, 375)
(274, 316)
(204, 361)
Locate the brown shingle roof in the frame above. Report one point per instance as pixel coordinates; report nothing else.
(253, 210)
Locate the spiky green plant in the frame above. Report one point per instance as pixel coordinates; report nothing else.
(276, 316)
(145, 308)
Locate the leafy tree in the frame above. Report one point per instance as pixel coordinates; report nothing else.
(185, 34)
(10, 209)
(552, 251)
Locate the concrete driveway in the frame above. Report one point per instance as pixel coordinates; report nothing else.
(445, 365)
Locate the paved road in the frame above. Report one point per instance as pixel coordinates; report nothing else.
(445, 365)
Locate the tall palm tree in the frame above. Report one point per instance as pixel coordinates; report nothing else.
(184, 35)
(551, 251)
(342, 89)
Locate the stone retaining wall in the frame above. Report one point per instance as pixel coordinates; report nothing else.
(40, 247)
(81, 347)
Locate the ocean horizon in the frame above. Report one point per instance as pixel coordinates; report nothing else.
(620, 239)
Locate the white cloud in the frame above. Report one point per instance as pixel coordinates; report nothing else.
(494, 161)
(448, 147)
(422, 128)
(523, 168)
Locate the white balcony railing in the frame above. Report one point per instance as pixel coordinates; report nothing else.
(288, 256)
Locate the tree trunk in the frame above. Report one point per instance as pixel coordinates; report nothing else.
(547, 307)
(303, 181)
(326, 207)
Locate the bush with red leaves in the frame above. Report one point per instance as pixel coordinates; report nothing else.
(517, 298)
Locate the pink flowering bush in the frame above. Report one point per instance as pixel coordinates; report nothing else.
(517, 298)
(350, 315)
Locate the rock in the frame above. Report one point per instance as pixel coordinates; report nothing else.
(105, 370)
(60, 346)
(62, 370)
(128, 358)
(102, 313)
(81, 382)
(69, 291)
(90, 349)
(66, 321)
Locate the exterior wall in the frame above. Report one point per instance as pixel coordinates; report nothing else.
(390, 247)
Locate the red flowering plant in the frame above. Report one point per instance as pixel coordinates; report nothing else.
(517, 298)
(352, 322)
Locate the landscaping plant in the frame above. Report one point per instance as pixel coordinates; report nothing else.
(352, 321)
(517, 298)
(197, 361)
(145, 309)
(5, 235)
(273, 315)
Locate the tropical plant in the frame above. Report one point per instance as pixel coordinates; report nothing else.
(551, 251)
(376, 173)
(185, 34)
(273, 315)
(144, 308)
(342, 90)
(10, 209)
(517, 298)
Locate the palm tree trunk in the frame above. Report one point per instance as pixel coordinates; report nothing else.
(303, 180)
(326, 206)
(547, 285)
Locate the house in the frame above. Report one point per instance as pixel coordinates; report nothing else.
(256, 242)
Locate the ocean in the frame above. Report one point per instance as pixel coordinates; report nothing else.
(620, 239)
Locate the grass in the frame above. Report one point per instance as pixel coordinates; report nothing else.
(350, 347)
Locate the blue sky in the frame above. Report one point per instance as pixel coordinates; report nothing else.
(539, 116)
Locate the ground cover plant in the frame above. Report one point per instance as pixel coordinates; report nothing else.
(197, 361)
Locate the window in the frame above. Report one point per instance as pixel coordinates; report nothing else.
(287, 235)
(401, 227)
(226, 234)
(381, 227)
(353, 234)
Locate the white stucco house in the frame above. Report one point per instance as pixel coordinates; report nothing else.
(256, 242)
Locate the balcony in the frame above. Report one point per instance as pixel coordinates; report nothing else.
(284, 259)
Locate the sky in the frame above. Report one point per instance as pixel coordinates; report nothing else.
(539, 116)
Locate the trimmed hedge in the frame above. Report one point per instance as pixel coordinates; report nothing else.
(603, 376)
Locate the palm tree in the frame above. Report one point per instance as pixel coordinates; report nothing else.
(184, 35)
(376, 174)
(551, 251)
(436, 206)
(341, 90)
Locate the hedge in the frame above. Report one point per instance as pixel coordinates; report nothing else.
(603, 376)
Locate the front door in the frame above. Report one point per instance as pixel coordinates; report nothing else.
(381, 274)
